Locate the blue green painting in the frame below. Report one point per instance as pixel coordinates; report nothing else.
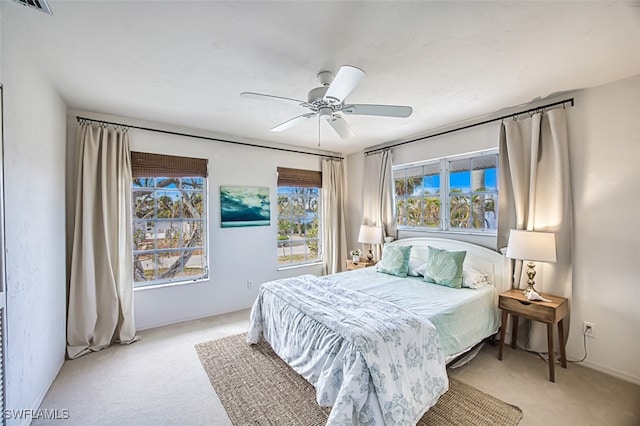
(244, 206)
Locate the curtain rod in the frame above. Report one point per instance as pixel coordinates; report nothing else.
(169, 132)
(515, 114)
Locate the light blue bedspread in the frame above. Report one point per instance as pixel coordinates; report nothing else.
(463, 317)
(372, 361)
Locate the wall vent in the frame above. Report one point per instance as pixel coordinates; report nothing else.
(40, 5)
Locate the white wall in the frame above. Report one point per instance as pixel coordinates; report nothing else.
(604, 131)
(236, 255)
(34, 171)
(604, 137)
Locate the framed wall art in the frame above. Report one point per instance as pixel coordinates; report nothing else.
(244, 206)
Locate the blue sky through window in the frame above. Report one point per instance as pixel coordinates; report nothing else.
(431, 184)
(462, 180)
(458, 181)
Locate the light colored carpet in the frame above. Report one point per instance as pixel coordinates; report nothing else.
(160, 381)
(258, 388)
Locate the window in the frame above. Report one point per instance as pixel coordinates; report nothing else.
(465, 185)
(169, 219)
(299, 221)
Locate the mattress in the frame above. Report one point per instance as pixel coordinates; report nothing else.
(463, 317)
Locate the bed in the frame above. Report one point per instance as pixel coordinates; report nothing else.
(375, 343)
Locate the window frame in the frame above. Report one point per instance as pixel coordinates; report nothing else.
(160, 167)
(444, 194)
(302, 181)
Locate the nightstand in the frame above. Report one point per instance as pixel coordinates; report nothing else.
(513, 302)
(351, 265)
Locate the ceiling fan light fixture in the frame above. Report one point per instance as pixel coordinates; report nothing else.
(325, 112)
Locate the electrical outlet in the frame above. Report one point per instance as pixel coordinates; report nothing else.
(589, 329)
(249, 284)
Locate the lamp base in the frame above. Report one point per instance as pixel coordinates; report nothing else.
(531, 273)
(370, 255)
(528, 291)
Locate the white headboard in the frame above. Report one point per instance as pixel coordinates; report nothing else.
(481, 258)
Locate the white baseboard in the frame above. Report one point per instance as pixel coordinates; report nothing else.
(612, 372)
(594, 366)
(26, 421)
(190, 318)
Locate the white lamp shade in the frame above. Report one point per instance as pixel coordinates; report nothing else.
(370, 234)
(532, 245)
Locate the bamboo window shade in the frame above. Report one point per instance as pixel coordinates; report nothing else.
(299, 178)
(144, 164)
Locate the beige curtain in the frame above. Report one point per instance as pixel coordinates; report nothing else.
(535, 194)
(100, 300)
(334, 235)
(377, 197)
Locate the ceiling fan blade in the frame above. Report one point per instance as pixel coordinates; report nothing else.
(263, 97)
(290, 123)
(343, 83)
(381, 110)
(341, 126)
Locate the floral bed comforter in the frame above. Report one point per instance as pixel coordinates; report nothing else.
(372, 361)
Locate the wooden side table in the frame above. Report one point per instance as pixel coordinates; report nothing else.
(351, 265)
(513, 302)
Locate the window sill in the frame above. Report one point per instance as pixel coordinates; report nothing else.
(171, 284)
(301, 265)
(487, 233)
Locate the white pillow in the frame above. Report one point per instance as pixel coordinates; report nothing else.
(420, 270)
(414, 267)
(473, 278)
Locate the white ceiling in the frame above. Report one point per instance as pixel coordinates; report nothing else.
(185, 63)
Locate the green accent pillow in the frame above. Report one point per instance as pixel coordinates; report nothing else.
(444, 267)
(395, 260)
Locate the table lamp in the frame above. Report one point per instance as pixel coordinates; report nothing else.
(370, 235)
(531, 246)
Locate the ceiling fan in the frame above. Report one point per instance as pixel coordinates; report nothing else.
(328, 102)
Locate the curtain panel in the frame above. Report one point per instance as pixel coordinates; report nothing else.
(377, 197)
(535, 194)
(100, 302)
(333, 212)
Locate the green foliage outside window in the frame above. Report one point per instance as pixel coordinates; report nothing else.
(448, 194)
(168, 229)
(298, 225)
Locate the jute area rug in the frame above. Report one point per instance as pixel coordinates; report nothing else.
(257, 388)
